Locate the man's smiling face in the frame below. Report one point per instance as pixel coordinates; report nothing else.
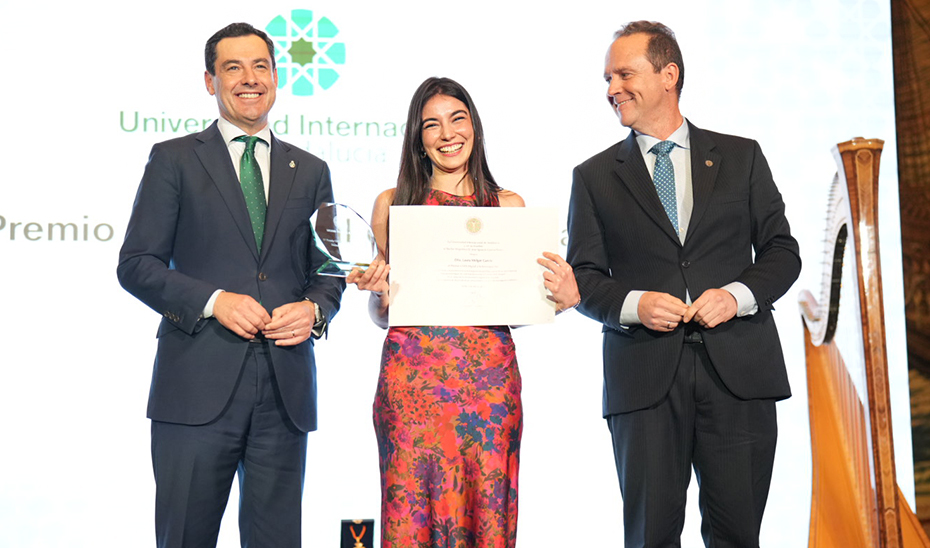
(244, 82)
(641, 96)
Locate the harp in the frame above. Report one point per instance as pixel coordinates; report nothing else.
(856, 502)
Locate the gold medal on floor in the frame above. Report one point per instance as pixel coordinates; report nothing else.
(357, 533)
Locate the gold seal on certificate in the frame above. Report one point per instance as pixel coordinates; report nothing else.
(344, 237)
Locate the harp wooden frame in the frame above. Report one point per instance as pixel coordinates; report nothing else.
(855, 500)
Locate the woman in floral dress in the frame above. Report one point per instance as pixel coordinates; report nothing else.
(447, 409)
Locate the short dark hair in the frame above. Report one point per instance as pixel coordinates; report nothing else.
(415, 166)
(662, 49)
(233, 31)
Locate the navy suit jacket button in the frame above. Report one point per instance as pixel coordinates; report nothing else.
(262, 276)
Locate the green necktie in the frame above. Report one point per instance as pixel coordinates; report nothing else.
(250, 177)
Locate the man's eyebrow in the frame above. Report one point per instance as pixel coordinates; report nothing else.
(257, 60)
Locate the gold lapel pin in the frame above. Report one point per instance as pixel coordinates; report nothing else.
(293, 165)
(708, 163)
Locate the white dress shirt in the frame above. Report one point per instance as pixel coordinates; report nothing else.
(229, 131)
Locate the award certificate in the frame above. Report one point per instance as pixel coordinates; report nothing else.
(470, 265)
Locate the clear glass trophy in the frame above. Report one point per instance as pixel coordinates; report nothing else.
(344, 237)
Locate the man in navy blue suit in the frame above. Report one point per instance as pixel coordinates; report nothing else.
(680, 246)
(229, 265)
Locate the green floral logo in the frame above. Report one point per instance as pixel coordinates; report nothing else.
(307, 52)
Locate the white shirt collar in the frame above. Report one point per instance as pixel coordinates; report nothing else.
(230, 131)
(681, 137)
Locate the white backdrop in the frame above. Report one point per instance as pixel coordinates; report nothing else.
(799, 76)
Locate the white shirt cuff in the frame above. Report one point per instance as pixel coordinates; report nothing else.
(745, 301)
(629, 313)
(208, 308)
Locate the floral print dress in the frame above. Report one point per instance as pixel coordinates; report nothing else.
(448, 419)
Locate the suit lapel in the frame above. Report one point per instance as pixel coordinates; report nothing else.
(705, 163)
(631, 168)
(283, 170)
(214, 155)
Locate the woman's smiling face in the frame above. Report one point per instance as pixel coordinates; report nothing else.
(447, 133)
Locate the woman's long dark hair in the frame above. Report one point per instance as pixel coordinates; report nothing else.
(415, 166)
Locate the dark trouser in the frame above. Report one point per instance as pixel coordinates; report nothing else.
(730, 443)
(194, 468)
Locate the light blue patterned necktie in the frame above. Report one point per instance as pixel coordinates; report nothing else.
(664, 178)
(253, 187)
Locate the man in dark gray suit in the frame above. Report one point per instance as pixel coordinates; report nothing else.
(234, 384)
(680, 245)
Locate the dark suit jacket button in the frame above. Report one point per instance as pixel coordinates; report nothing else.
(685, 264)
(262, 276)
